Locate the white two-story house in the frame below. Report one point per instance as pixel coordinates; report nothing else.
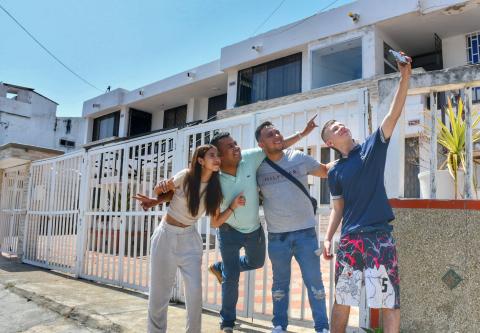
(311, 63)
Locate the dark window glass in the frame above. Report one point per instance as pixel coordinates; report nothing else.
(67, 143)
(140, 122)
(390, 64)
(215, 104)
(412, 168)
(176, 117)
(325, 191)
(106, 126)
(273, 79)
(473, 49)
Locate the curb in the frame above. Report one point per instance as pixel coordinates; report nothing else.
(89, 319)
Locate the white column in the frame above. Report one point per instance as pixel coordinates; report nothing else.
(433, 145)
(232, 89)
(468, 144)
(190, 109)
(395, 164)
(123, 127)
(88, 130)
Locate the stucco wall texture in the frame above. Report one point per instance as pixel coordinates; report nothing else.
(430, 242)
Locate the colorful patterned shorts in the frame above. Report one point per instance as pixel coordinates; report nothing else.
(368, 259)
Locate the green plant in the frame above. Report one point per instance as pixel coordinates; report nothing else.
(453, 138)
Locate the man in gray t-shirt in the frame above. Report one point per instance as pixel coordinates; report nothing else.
(286, 207)
(291, 225)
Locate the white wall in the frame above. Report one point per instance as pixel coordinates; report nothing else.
(157, 120)
(454, 51)
(34, 122)
(104, 103)
(322, 25)
(35, 129)
(201, 109)
(77, 130)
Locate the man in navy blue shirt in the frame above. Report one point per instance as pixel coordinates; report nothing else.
(367, 253)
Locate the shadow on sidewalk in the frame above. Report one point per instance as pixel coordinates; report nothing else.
(14, 265)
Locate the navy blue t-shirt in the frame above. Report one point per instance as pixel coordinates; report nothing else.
(359, 179)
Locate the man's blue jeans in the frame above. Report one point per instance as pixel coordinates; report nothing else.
(231, 241)
(300, 244)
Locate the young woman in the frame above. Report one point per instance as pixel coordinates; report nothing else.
(176, 242)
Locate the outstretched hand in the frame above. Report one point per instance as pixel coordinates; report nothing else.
(145, 202)
(310, 126)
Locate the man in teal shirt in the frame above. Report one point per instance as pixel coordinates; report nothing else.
(238, 221)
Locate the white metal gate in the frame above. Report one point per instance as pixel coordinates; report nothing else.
(116, 233)
(53, 212)
(14, 185)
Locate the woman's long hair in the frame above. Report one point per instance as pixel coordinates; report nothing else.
(213, 192)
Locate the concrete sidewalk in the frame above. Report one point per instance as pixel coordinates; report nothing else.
(102, 307)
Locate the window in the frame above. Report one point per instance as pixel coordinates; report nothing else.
(140, 122)
(175, 117)
(67, 143)
(337, 63)
(324, 190)
(215, 104)
(12, 95)
(273, 79)
(412, 168)
(389, 62)
(473, 56)
(106, 126)
(473, 48)
(476, 95)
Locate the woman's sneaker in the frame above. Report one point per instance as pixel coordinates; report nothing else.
(216, 272)
(278, 329)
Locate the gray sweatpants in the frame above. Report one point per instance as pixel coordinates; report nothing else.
(171, 248)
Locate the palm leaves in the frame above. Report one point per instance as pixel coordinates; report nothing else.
(453, 138)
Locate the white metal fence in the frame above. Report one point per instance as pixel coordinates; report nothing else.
(53, 206)
(14, 185)
(81, 217)
(116, 233)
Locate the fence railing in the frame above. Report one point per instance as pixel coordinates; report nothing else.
(14, 185)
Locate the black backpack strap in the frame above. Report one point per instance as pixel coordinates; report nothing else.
(288, 176)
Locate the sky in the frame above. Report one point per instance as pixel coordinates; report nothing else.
(127, 44)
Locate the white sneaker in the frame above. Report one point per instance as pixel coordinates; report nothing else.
(227, 330)
(278, 329)
(324, 331)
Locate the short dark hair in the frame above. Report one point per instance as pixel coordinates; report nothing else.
(217, 137)
(324, 128)
(260, 127)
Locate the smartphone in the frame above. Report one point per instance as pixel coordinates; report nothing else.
(399, 57)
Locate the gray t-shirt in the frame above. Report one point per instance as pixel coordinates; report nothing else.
(286, 207)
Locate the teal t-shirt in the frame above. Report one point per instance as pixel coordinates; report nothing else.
(246, 218)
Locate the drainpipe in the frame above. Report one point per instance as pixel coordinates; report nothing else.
(467, 92)
(433, 145)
